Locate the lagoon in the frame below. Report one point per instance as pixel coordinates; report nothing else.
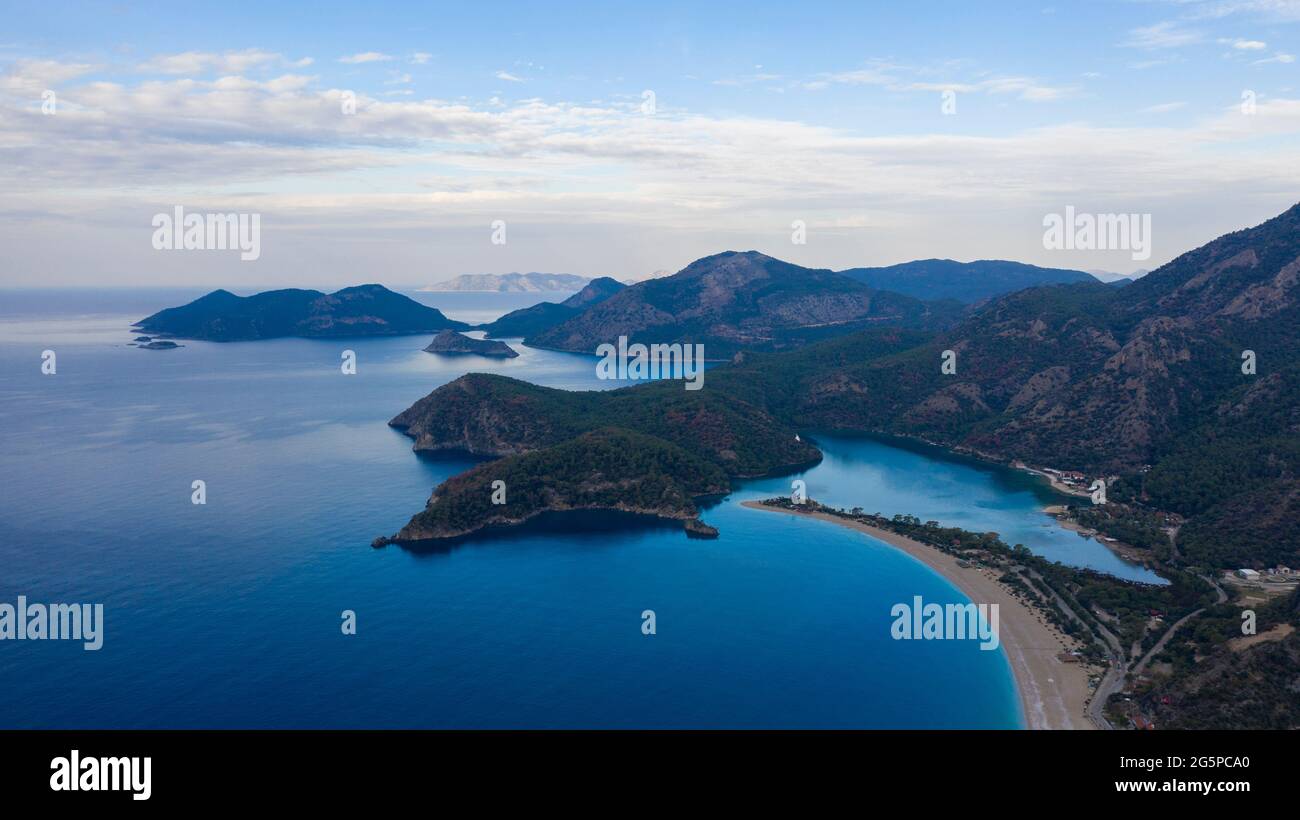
(227, 614)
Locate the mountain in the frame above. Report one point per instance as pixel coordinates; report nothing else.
(1111, 278)
(450, 342)
(1144, 385)
(510, 283)
(1143, 382)
(647, 449)
(545, 315)
(364, 310)
(489, 415)
(967, 282)
(735, 301)
(607, 469)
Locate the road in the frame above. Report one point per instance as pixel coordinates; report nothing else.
(1110, 682)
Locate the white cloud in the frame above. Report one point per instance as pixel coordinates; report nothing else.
(205, 62)
(1162, 35)
(366, 57)
(903, 78)
(1162, 108)
(1246, 45)
(508, 77)
(283, 147)
(1276, 58)
(421, 57)
(1281, 11)
(29, 76)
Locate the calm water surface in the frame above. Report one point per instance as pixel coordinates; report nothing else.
(227, 614)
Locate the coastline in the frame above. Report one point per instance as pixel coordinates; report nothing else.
(1052, 694)
(1055, 483)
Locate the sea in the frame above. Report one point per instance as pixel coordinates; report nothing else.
(231, 613)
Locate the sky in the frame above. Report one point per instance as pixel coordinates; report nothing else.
(387, 141)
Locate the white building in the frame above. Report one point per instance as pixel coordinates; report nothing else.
(1248, 574)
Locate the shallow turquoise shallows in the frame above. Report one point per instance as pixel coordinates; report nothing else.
(228, 614)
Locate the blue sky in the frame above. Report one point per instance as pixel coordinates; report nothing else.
(764, 114)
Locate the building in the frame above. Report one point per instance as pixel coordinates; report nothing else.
(1248, 574)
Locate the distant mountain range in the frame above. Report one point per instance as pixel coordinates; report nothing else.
(733, 301)
(364, 310)
(1110, 277)
(510, 283)
(967, 282)
(545, 315)
(741, 301)
(1142, 384)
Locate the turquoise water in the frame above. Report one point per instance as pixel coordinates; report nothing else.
(228, 614)
(900, 477)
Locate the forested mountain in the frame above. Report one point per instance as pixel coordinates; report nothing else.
(1143, 383)
(742, 301)
(608, 469)
(364, 310)
(964, 281)
(530, 321)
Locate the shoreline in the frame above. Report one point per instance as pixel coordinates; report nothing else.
(1052, 694)
(1054, 482)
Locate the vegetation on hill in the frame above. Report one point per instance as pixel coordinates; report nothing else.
(742, 301)
(605, 469)
(543, 316)
(494, 415)
(964, 281)
(365, 310)
(1142, 384)
(453, 342)
(1218, 681)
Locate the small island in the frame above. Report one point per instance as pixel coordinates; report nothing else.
(364, 310)
(160, 344)
(452, 343)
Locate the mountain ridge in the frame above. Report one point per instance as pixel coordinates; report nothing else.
(360, 310)
(508, 283)
(738, 300)
(967, 282)
(542, 316)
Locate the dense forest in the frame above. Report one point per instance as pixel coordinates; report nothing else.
(607, 469)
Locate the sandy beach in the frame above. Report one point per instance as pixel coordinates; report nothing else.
(1053, 694)
(1057, 484)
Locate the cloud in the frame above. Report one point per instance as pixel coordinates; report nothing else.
(508, 77)
(1244, 45)
(421, 57)
(1276, 58)
(757, 76)
(334, 183)
(1162, 35)
(33, 76)
(901, 78)
(206, 62)
(1280, 11)
(366, 57)
(1162, 108)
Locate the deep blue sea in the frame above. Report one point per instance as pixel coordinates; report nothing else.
(228, 614)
